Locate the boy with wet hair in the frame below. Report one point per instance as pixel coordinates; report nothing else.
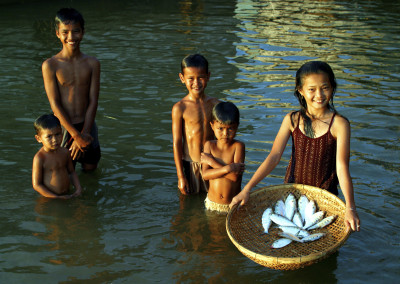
(223, 159)
(52, 170)
(72, 82)
(191, 128)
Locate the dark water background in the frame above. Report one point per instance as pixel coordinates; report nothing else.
(131, 225)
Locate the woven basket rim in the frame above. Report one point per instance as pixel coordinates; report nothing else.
(298, 261)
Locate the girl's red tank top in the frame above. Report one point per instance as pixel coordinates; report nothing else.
(313, 160)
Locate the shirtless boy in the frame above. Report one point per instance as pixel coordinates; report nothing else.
(191, 128)
(52, 167)
(223, 159)
(72, 82)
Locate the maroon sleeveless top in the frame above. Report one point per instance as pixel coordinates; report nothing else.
(313, 160)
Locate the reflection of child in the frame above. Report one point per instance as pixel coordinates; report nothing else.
(191, 118)
(223, 159)
(72, 82)
(320, 139)
(52, 164)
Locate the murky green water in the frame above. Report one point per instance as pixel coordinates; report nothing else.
(131, 225)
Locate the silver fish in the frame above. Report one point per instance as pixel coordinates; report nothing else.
(280, 243)
(290, 206)
(323, 223)
(310, 209)
(302, 203)
(266, 219)
(295, 231)
(297, 220)
(313, 237)
(282, 221)
(290, 237)
(280, 207)
(315, 218)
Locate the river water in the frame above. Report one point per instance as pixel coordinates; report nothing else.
(131, 225)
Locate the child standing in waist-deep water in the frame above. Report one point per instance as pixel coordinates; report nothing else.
(52, 169)
(223, 159)
(191, 128)
(321, 141)
(72, 82)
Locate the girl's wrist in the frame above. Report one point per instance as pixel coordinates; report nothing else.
(351, 208)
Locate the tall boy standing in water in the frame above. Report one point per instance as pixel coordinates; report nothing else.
(72, 82)
(191, 128)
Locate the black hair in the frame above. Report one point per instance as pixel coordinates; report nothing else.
(46, 121)
(67, 16)
(226, 113)
(194, 60)
(312, 67)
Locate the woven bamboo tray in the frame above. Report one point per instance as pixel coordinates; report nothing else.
(244, 228)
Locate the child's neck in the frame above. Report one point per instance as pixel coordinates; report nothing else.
(197, 97)
(65, 53)
(319, 113)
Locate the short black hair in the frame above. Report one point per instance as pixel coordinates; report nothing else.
(46, 121)
(194, 60)
(67, 16)
(226, 113)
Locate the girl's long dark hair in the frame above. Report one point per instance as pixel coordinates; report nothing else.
(312, 67)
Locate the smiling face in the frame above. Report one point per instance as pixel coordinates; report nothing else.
(50, 138)
(224, 132)
(195, 80)
(70, 35)
(317, 91)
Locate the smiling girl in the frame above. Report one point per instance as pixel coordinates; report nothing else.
(320, 141)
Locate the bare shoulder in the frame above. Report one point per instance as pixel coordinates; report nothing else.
(212, 100)
(340, 125)
(49, 64)
(238, 144)
(93, 61)
(290, 120)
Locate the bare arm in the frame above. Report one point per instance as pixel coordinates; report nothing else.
(37, 180)
(342, 132)
(211, 169)
(177, 117)
(93, 96)
(269, 163)
(74, 178)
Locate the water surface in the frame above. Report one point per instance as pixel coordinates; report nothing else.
(131, 224)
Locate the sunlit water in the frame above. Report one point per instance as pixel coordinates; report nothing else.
(131, 224)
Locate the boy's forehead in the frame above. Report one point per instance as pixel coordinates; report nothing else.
(50, 130)
(69, 25)
(195, 71)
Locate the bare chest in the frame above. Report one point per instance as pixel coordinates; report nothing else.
(76, 74)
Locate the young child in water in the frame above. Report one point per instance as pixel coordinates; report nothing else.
(191, 128)
(52, 165)
(223, 159)
(72, 83)
(320, 139)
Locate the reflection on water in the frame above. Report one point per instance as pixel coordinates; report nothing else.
(131, 224)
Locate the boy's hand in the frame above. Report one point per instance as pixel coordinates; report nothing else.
(237, 168)
(183, 186)
(80, 143)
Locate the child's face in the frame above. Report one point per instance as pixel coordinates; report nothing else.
(70, 34)
(50, 138)
(224, 132)
(317, 91)
(195, 79)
